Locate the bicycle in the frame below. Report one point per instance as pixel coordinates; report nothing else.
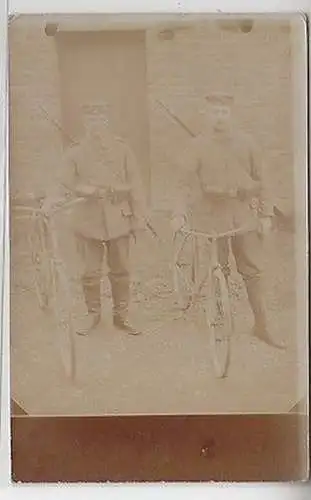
(216, 302)
(50, 276)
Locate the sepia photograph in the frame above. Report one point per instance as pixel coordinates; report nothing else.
(158, 215)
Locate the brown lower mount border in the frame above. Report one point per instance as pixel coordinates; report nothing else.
(160, 448)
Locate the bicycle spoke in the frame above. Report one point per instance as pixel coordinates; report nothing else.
(184, 286)
(40, 261)
(62, 310)
(49, 281)
(218, 317)
(184, 276)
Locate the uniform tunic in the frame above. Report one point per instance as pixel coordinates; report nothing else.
(226, 161)
(110, 166)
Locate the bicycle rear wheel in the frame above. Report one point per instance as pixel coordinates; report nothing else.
(220, 325)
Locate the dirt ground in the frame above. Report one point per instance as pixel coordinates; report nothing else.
(168, 369)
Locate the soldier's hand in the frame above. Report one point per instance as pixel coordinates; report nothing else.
(101, 193)
(214, 190)
(87, 191)
(49, 204)
(219, 192)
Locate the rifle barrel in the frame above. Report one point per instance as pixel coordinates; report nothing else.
(177, 120)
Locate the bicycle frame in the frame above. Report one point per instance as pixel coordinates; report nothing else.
(58, 288)
(43, 228)
(214, 266)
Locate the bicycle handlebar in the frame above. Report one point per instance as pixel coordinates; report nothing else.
(215, 236)
(53, 211)
(75, 201)
(63, 206)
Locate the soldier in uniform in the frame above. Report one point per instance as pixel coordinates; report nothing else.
(102, 170)
(222, 173)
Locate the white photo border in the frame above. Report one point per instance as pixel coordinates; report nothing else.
(59, 6)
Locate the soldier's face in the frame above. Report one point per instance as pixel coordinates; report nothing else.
(96, 126)
(219, 116)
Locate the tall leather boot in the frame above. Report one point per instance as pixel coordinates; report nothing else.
(257, 303)
(120, 291)
(91, 291)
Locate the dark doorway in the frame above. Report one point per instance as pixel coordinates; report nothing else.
(108, 66)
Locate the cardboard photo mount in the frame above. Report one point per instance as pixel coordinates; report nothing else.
(146, 448)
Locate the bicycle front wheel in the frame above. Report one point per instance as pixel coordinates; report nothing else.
(65, 335)
(40, 258)
(185, 270)
(219, 322)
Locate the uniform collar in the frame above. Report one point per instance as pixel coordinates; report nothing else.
(222, 136)
(97, 143)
